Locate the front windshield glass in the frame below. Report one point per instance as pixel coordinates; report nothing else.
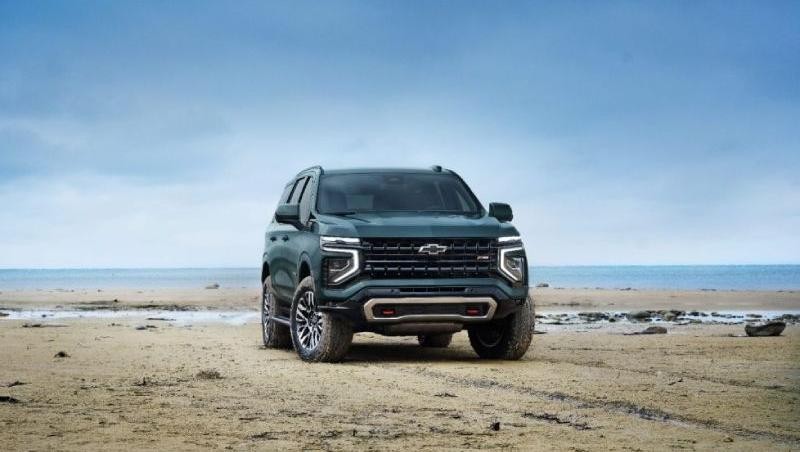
(394, 192)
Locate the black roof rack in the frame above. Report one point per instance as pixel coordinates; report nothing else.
(318, 167)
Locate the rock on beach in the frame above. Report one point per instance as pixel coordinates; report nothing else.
(765, 329)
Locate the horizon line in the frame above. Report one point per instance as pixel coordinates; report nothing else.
(239, 267)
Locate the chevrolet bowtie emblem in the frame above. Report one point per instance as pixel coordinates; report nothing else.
(432, 249)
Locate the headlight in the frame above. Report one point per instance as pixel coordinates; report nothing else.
(512, 263)
(338, 269)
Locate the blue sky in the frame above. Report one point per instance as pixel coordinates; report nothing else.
(161, 133)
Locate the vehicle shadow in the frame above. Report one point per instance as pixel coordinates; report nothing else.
(394, 352)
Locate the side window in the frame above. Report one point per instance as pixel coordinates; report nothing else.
(305, 201)
(287, 193)
(298, 190)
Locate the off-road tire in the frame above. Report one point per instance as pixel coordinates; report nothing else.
(507, 338)
(274, 334)
(335, 336)
(435, 340)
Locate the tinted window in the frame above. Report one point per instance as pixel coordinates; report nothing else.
(286, 193)
(298, 190)
(305, 198)
(386, 192)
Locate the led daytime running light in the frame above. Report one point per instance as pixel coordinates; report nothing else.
(505, 270)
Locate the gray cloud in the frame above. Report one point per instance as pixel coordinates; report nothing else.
(621, 133)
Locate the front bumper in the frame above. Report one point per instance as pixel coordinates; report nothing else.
(429, 309)
(423, 300)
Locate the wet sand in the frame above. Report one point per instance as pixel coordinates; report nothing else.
(582, 387)
(547, 299)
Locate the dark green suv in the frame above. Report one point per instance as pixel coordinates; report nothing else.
(395, 252)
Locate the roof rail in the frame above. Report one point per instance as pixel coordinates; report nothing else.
(321, 171)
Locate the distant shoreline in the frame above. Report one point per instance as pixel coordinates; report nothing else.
(545, 299)
(781, 277)
(114, 289)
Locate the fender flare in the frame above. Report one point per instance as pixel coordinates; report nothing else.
(305, 259)
(264, 268)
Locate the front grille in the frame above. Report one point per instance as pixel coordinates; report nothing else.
(400, 258)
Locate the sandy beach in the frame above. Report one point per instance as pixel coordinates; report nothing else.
(183, 385)
(546, 299)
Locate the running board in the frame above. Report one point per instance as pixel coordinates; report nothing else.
(281, 320)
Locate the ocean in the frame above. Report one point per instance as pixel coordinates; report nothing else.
(677, 277)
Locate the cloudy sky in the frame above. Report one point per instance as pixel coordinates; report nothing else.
(138, 134)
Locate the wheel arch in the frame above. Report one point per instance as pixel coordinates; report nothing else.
(304, 268)
(264, 271)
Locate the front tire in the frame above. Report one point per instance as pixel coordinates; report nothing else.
(273, 333)
(317, 336)
(508, 338)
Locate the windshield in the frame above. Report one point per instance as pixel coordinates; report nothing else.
(394, 192)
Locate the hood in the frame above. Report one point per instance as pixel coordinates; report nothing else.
(403, 224)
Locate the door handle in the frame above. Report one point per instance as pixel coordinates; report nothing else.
(285, 238)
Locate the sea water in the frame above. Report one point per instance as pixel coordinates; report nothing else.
(676, 277)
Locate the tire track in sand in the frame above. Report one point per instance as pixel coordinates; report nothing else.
(616, 406)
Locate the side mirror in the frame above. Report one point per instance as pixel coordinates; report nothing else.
(501, 211)
(288, 214)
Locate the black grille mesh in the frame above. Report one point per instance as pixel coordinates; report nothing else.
(388, 258)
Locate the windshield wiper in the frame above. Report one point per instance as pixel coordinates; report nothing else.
(342, 213)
